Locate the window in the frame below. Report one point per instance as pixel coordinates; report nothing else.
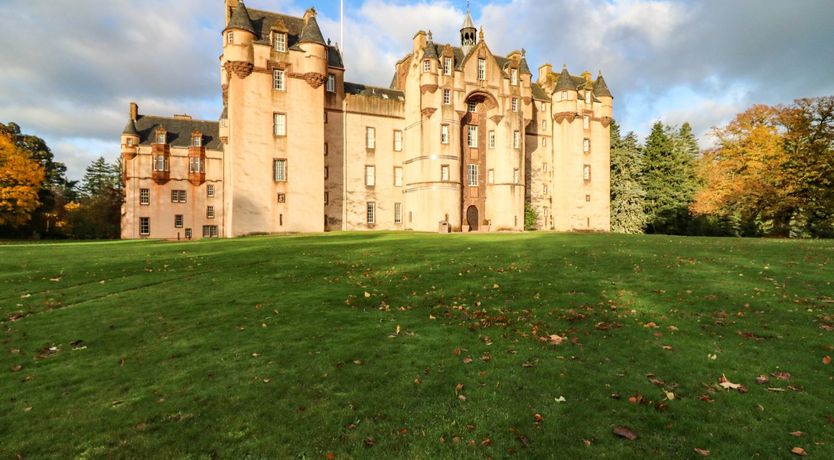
(144, 196)
(481, 69)
(444, 134)
(545, 167)
(371, 212)
(426, 66)
(279, 41)
(516, 176)
(197, 141)
(564, 95)
(282, 198)
(398, 141)
(160, 163)
(144, 226)
(326, 197)
(544, 125)
(492, 139)
(491, 176)
(515, 104)
(586, 145)
(188, 233)
(447, 66)
(210, 231)
(559, 97)
(196, 165)
(370, 138)
(473, 175)
(331, 83)
(516, 139)
(447, 97)
(472, 136)
(278, 80)
(588, 198)
(279, 170)
(130, 142)
(210, 212)
(326, 172)
(230, 38)
(587, 97)
(325, 149)
(586, 173)
(472, 106)
(586, 122)
(544, 142)
(398, 213)
(544, 189)
(210, 191)
(444, 173)
(178, 196)
(514, 77)
(279, 124)
(370, 176)
(398, 176)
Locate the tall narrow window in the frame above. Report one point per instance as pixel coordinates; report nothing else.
(586, 173)
(516, 139)
(196, 165)
(398, 141)
(210, 212)
(473, 175)
(515, 104)
(398, 176)
(586, 122)
(144, 196)
(444, 173)
(586, 145)
(160, 163)
(326, 197)
(370, 176)
(447, 97)
(230, 38)
(144, 226)
(370, 138)
(481, 69)
(564, 95)
(325, 149)
(514, 77)
(447, 66)
(544, 189)
(472, 106)
(278, 80)
(492, 139)
(371, 212)
(444, 134)
(516, 176)
(326, 172)
(544, 142)
(472, 136)
(587, 97)
(178, 221)
(210, 190)
(491, 176)
(279, 167)
(331, 83)
(544, 125)
(426, 66)
(279, 41)
(279, 124)
(398, 213)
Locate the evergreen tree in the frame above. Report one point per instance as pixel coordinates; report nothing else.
(98, 213)
(100, 178)
(627, 194)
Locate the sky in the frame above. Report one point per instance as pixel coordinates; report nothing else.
(71, 67)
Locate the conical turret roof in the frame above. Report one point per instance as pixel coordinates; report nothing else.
(565, 83)
(240, 19)
(523, 68)
(600, 88)
(311, 32)
(468, 23)
(130, 129)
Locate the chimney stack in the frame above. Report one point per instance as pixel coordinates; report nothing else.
(134, 111)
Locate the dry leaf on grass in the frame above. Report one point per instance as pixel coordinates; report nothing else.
(702, 452)
(728, 385)
(798, 434)
(826, 360)
(799, 451)
(624, 432)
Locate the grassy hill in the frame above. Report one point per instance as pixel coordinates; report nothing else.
(422, 346)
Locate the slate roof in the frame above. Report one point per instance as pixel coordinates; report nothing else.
(524, 68)
(311, 33)
(566, 82)
(240, 19)
(600, 88)
(468, 23)
(334, 57)
(130, 129)
(539, 93)
(178, 131)
(358, 89)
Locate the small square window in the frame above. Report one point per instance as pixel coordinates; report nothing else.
(279, 41)
(210, 212)
(282, 198)
(472, 106)
(426, 66)
(588, 198)
(230, 38)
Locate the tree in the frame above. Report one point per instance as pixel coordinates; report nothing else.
(627, 195)
(20, 180)
(531, 217)
(100, 178)
(669, 178)
(98, 211)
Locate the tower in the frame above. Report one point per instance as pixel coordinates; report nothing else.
(468, 33)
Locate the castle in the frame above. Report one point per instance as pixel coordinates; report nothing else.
(461, 140)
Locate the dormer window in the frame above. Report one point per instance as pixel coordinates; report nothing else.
(230, 38)
(197, 140)
(514, 77)
(426, 66)
(447, 66)
(161, 137)
(279, 41)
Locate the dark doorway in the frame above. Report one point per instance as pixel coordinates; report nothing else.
(472, 218)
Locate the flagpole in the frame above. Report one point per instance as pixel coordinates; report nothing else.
(344, 122)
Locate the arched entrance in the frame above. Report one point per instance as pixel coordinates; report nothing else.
(472, 218)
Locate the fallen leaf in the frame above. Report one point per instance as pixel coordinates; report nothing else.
(561, 399)
(826, 360)
(728, 385)
(267, 380)
(556, 339)
(781, 375)
(650, 325)
(467, 360)
(799, 451)
(537, 418)
(587, 442)
(330, 456)
(458, 388)
(486, 442)
(367, 294)
(370, 442)
(456, 351)
(702, 452)
(624, 432)
(17, 368)
(762, 379)
(417, 381)
(667, 347)
(527, 364)
(798, 434)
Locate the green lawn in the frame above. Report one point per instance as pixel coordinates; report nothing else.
(381, 345)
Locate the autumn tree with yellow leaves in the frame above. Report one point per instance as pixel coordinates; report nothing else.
(20, 181)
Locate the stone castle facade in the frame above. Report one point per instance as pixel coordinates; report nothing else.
(462, 136)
